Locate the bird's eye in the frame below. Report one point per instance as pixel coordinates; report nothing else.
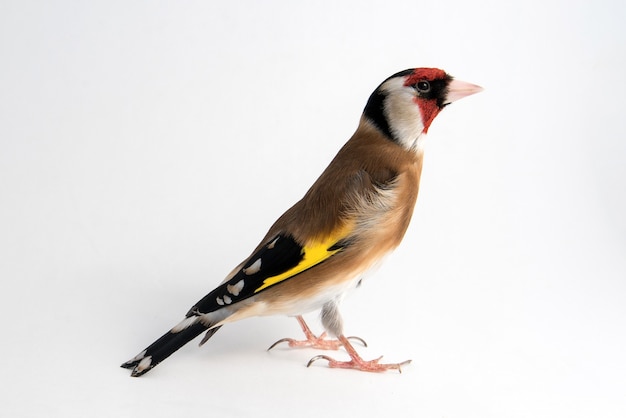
(423, 86)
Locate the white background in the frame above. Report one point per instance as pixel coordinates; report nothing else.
(145, 147)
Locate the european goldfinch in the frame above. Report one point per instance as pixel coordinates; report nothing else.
(356, 212)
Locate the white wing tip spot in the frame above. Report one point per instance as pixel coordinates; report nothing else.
(184, 324)
(254, 268)
(236, 288)
(271, 245)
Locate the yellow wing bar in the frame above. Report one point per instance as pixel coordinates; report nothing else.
(313, 254)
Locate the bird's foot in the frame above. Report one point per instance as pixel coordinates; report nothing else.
(360, 364)
(356, 362)
(321, 342)
(313, 341)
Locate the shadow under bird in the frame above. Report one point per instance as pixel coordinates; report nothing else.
(356, 212)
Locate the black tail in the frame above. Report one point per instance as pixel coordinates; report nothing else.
(165, 347)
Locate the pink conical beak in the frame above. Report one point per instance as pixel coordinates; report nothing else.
(458, 89)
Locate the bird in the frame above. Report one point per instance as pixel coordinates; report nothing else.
(319, 250)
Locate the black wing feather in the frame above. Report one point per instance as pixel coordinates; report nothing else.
(280, 254)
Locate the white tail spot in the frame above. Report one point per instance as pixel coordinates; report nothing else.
(227, 300)
(220, 301)
(144, 364)
(138, 357)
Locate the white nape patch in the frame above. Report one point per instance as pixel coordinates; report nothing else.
(138, 356)
(220, 301)
(235, 289)
(254, 268)
(271, 245)
(184, 324)
(227, 300)
(144, 364)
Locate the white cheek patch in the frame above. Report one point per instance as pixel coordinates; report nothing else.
(402, 113)
(404, 118)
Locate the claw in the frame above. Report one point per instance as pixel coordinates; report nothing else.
(282, 340)
(359, 339)
(321, 356)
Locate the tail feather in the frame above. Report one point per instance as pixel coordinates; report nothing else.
(164, 347)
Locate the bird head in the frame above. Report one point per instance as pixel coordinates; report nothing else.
(405, 104)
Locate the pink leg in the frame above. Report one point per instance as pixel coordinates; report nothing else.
(356, 362)
(312, 341)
